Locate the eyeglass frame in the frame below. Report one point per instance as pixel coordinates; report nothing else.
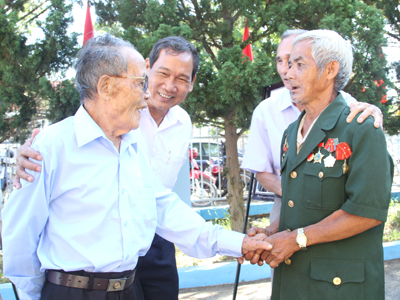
(146, 79)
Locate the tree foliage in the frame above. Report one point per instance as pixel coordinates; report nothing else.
(228, 87)
(27, 64)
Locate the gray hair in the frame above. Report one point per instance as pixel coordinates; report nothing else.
(291, 32)
(327, 46)
(99, 56)
(175, 44)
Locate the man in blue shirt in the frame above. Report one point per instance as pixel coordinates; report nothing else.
(96, 205)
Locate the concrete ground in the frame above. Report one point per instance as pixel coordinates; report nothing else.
(261, 289)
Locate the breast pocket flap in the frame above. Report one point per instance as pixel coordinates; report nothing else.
(338, 272)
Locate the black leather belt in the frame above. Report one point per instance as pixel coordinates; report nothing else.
(83, 282)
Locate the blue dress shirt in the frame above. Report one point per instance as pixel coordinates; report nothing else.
(94, 209)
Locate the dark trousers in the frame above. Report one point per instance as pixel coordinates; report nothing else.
(157, 271)
(58, 292)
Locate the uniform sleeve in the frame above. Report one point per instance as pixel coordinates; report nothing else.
(370, 174)
(258, 154)
(178, 223)
(24, 218)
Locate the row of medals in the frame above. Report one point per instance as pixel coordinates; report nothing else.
(329, 161)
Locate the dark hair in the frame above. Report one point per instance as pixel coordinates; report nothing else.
(100, 55)
(175, 44)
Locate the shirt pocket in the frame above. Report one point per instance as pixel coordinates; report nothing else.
(324, 188)
(337, 279)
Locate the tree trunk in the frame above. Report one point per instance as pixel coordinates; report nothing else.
(235, 184)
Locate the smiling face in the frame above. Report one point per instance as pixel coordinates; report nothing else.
(282, 58)
(129, 98)
(170, 80)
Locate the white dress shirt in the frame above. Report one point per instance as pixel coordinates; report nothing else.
(270, 119)
(94, 209)
(167, 144)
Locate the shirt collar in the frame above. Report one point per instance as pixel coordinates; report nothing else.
(286, 100)
(87, 130)
(172, 117)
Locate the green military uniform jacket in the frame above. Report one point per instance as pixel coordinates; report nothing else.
(349, 269)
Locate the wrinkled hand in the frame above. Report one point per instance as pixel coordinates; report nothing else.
(283, 246)
(23, 162)
(254, 257)
(367, 110)
(254, 243)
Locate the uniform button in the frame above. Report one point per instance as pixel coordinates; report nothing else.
(321, 174)
(293, 174)
(123, 191)
(337, 281)
(126, 223)
(291, 203)
(288, 261)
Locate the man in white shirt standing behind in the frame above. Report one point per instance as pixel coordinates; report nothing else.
(172, 66)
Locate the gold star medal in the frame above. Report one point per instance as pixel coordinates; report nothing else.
(318, 156)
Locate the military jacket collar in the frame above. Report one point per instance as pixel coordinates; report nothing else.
(326, 121)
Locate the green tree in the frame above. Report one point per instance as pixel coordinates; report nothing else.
(391, 10)
(25, 63)
(228, 87)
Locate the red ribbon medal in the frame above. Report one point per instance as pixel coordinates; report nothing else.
(343, 151)
(331, 144)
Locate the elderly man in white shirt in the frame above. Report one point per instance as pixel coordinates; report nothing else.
(166, 128)
(93, 210)
(270, 119)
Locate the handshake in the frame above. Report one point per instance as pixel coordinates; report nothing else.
(272, 246)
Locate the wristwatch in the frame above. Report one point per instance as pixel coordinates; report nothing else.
(301, 239)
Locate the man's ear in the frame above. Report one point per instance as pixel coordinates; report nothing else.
(192, 83)
(104, 86)
(147, 63)
(332, 69)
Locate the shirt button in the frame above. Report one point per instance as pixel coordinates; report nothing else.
(337, 281)
(288, 261)
(126, 223)
(127, 257)
(123, 191)
(293, 174)
(321, 174)
(291, 203)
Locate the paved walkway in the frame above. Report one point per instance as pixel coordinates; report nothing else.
(261, 289)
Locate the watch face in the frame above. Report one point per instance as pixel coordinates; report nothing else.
(302, 240)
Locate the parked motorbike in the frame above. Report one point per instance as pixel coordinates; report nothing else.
(202, 184)
(217, 171)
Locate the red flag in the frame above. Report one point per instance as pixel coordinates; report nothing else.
(247, 51)
(89, 32)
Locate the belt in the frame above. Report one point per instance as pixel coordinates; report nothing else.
(83, 282)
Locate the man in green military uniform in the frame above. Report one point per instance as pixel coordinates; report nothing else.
(336, 182)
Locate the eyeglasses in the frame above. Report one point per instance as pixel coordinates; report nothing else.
(145, 83)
